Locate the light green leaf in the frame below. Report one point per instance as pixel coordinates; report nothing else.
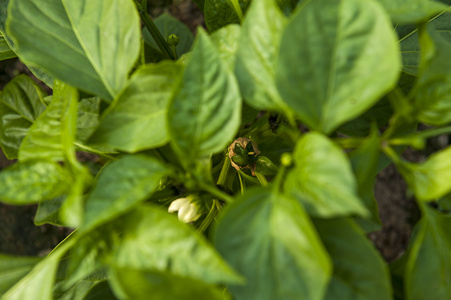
(323, 180)
(133, 284)
(257, 55)
(51, 136)
(20, 106)
(168, 25)
(38, 284)
(433, 87)
(154, 240)
(13, 268)
(204, 114)
(270, 239)
(226, 41)
(5, 50)
(120, 186)
(88, 44)
(412, 11)
(431, 179)
(346, 57)
(136, 120)
(32, 181)
(365, 160)
(219, 13)
(428, 269)
(359, 271)
(87, 117)
(78, 292)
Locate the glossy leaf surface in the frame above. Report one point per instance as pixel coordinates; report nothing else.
(349, 58)
(20, 106)
(33, 181)
(73, 45)
(136, 120)
(258, 53)
(293, 260)
(322, 179)
(359, 270)
(204, 113)
(120, 186)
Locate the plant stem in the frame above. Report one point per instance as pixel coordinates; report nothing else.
(214, 191)
(210, 217)
(425, 134)
(161, 42)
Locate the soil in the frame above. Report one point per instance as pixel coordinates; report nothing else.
(19, 236)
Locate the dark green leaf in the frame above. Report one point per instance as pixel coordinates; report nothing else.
(89, 44)
(219, 13)
(87, 117)
(428, 269)
(270, 239)
(48, 211)
(133, 284)
(101, 291)
(204, 113)
(136, 120)
(13, 268)
(5, 50)
(346, 57)
(359, 271)
(433, 87)
(168, 25)
(20, 106)
(257, 55)
(364, 162)
(154, 240)
(120, 186)
(323, 180)
(32, 182)
(412, 11)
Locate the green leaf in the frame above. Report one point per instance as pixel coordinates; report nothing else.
(32, 181)
(87, 117)
(85, 43)
(359, 271)
(38, 284)
(20, 106)
(428, 269)
(219, 13)
(100, 291)
(168, 25)
(322, 179)
(349, 57)
(365, 160)
(13, 268)
(51, 136)
(154, 240)
(226, 41)
(431, 179)
(270, 239)
(139, 285)
(48, 211)
(120, 186)
(408, 40)
(433, 87)
(257, 55)
(136, 120)
(204, 114)
(412, 11)
(78, 291)
(5, 50)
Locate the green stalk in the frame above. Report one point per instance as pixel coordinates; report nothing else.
(161, 42)
(214, 191)
(210, 217)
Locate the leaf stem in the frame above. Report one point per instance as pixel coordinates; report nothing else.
(161, 42)
(210, 217)
(214, 191)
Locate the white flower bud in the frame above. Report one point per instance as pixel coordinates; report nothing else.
(187, 211)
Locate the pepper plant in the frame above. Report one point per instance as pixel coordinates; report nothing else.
(263, 134)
